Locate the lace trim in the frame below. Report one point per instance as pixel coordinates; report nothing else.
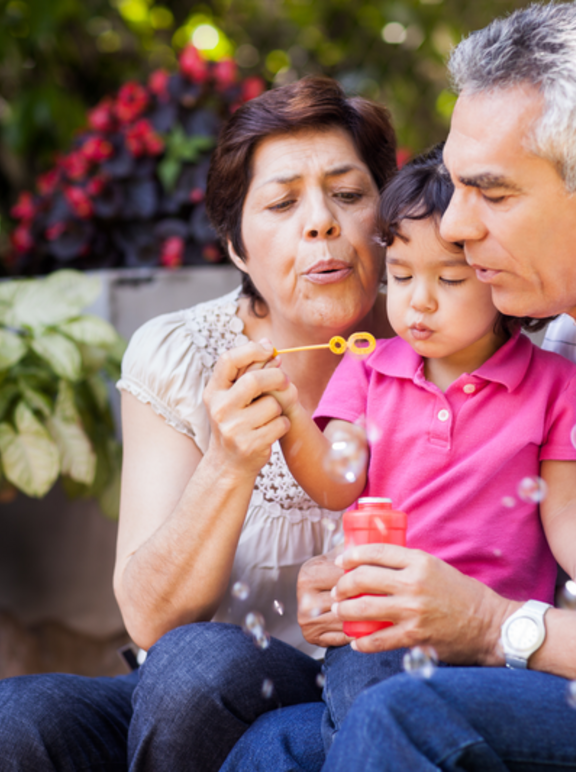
(146, 396)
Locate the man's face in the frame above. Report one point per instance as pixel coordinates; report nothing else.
(510, 208)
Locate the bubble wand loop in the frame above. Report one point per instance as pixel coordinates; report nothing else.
(338, 345)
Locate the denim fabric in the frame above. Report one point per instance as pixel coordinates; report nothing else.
(200, 689)
(64, 723)
(472, 719)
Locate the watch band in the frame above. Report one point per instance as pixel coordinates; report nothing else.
(534, 610)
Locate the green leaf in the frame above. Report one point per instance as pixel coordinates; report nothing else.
(47, 302)
(30, 458)
(34, 398)
(12, 349)
(60, 353)
(109, 499)
(168, 171)
(8, 392)
(99, 390)
(90, 330)
(65, 408)
(77, 459)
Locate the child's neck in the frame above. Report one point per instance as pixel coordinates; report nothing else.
(445, 370)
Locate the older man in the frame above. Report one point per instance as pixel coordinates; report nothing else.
(511, 153)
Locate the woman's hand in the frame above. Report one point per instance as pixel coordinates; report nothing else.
(245, 417)
(430, 603)
(320, 626)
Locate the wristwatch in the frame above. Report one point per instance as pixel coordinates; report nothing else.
(523, 633)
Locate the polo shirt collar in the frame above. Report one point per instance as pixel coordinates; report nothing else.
(507, 366)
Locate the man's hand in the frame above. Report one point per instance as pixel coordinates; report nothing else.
(320, 626)
(430, 603)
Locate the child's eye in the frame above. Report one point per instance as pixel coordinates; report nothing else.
(452, 282)
(401, 279)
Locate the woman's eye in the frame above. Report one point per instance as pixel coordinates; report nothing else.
(281, 206)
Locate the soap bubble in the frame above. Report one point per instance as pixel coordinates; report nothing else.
(267, 688)
(347, 457)
(373, 432)
(421, 661)
(571, 694)
(240, 590)
(329, 524)
(509, 502)
(532, 489)
(497, 553)
(278, 607)
(320, 680)
(309, 607)
(255, 626)
(338, 539)
(573, 436)
(567, 596)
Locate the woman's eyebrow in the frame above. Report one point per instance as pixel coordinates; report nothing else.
(287, 179)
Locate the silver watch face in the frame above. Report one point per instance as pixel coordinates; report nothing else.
(523, 634)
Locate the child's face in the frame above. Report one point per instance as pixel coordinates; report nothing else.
(435, 301)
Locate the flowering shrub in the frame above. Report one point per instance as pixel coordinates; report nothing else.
(131, 190)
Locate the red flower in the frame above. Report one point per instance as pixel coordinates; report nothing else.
(211, 253)
(21, 238)
(132, 101)
(196, 195)
(24, 208)
(55, 231)
(102, 117)
(403, 155)
(96, 185)
(75, 165)
(252, 87)
(225, 73)
(141, 139)
(172, 253)
(96, 149)
(79, 202)
(158, 84)
(46, 183)
(192, 66)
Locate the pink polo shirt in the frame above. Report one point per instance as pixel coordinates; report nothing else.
(453, 460)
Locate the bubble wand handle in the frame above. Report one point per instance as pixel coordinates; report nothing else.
(338, 345)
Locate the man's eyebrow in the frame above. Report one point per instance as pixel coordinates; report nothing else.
(488, 181)
(287, 179)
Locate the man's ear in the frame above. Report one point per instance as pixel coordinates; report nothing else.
(238, 262)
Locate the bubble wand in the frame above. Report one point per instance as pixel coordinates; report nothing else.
(338, 345)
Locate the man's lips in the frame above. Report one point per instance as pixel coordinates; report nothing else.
(328, 271)
(485, 274)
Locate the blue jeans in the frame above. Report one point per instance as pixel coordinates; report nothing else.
(64, 723)
(460, 720)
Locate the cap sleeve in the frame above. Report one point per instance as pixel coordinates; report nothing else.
(165, 367)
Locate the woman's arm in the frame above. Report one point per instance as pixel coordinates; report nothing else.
(181, 513)
(558, 511)
(432, 603)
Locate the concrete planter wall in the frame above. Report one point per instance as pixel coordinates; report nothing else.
(56, 555)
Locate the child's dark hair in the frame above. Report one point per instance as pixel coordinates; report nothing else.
(423, 189)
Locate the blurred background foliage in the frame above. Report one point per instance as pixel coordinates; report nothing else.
(59, 58)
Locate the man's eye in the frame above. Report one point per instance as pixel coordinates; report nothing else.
(348, 195)
(493, 199)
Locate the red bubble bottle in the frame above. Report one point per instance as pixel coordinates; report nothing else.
(373, 522)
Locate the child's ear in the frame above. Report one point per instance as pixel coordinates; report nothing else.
(236, 259)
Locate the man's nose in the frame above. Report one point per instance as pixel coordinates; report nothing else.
(460, 222)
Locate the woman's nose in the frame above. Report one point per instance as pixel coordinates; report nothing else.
(321, 222)
(460, 222)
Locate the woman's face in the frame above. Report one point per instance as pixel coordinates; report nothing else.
(308, 227)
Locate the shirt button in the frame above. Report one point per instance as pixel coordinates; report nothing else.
(469, 388)
(443, 415)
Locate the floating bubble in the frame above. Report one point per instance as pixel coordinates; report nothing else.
(278, 607)
(338, 539)
(329, 524)
(497, 553)
(309, 607)
(240, 590)
(567, 596)
(320, 680)
(421, 661)
(255, 626)
(262, 640)
(373, 432)
(571, 694)
(267, 688)
(532, 489)
(509, 502)
(347, 457)
(573, 436)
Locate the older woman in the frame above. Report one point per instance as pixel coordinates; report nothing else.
(207, 502)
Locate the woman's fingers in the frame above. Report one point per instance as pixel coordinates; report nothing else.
(236, 361)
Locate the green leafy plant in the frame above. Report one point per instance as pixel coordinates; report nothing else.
(55, 367)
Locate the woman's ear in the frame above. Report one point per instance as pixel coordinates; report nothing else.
(238, 262)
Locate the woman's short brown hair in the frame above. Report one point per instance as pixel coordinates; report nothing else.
(311, 103)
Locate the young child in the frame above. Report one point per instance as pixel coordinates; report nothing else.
(464, 406)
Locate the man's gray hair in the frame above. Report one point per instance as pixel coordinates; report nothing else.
(537, 46)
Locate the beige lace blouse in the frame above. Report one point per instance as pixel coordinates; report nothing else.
(167, 364)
